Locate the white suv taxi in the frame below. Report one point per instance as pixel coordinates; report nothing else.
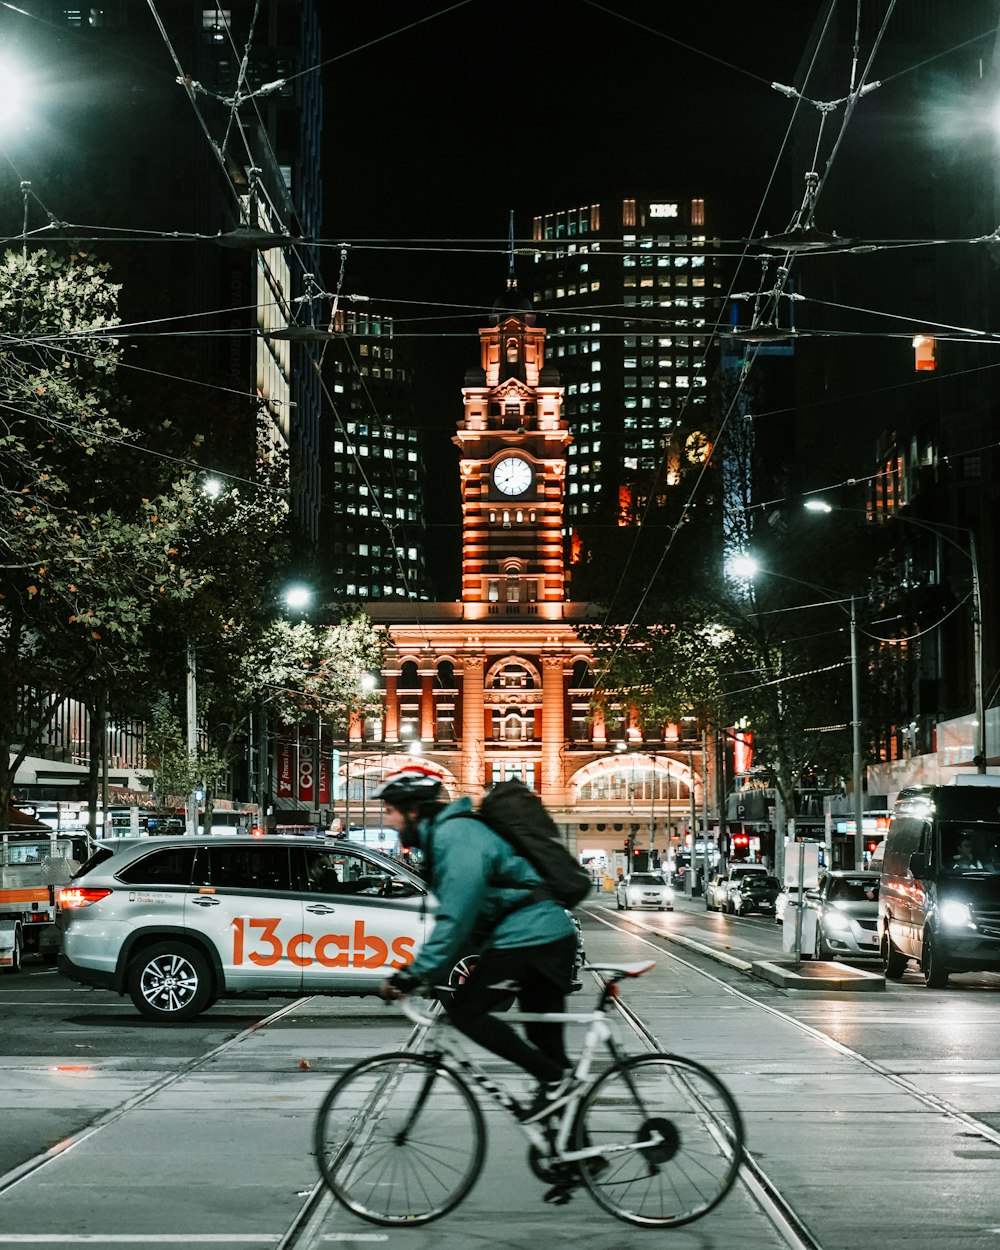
(182, 921)
(179, 922)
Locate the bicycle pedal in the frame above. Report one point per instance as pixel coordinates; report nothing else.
(559, 1195)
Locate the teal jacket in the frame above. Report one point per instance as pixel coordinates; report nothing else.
(466, 860)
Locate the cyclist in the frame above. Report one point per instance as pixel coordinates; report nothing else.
(482, 885)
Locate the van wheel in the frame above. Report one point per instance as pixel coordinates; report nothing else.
(935, 974)
(170, 982)
(893, 961)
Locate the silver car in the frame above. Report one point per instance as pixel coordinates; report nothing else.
(644, 889)
(844, 910)
(179, 922)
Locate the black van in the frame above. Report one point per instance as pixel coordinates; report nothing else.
(939, 898)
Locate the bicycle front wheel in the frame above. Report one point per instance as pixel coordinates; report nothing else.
(400, 1139)
(669, 1137)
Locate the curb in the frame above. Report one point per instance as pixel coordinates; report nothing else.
(808, 975)
(818, 975)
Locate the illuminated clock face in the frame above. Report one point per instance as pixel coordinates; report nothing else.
(512, 475)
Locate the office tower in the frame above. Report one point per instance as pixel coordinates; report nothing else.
(630, 290)
(374, 467)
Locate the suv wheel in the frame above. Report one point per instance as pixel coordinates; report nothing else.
(461, 972)
(170, 981)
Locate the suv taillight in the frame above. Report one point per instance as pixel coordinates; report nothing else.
(78, 896)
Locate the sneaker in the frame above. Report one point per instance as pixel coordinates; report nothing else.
(549, 1097)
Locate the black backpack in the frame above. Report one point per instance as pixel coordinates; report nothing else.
(518, 815)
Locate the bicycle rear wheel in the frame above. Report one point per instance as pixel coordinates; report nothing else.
(670, 1136)
(400, 1139)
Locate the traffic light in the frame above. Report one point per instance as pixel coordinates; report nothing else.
(870, 847)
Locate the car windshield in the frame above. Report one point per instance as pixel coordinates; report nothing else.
(645, 878)
(766, 883)
(853, 890)
(970, 848)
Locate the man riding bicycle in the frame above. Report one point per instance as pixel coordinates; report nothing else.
(482, 885)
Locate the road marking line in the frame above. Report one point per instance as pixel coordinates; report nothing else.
(90, 1239)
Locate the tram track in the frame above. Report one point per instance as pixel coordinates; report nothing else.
(106, 1118)
(764, 1190)
(309, 1227)
(316, 1214)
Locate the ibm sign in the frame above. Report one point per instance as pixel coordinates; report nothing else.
(663, 210)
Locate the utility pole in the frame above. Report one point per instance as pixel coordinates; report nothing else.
(191, 814)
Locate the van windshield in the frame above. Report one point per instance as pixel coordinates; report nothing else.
(970, 848)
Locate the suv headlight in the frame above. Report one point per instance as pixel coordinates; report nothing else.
(836, 922)
(955, 915)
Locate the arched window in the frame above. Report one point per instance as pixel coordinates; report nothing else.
(446, 675)
(582, 678)
(409, 678)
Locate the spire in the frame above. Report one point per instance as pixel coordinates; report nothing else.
(512, 302)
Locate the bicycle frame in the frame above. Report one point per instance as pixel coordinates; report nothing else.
(401, 1136)
(449, 1046)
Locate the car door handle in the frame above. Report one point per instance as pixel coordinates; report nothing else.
(320, 909)
(203, 900)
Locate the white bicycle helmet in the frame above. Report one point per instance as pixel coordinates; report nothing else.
(408, 785)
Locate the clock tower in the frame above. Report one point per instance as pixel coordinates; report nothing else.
(512, 441)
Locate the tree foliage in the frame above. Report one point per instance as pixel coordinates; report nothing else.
(87, 552)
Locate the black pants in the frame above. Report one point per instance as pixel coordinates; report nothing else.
(539, 977)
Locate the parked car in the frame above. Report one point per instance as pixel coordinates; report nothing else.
(716, 892)
(644, 889)
(719, 888)
(177, 923)
(844, 910)
(753, 892)
(785, 903)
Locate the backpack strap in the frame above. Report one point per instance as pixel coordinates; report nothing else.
(533, 893)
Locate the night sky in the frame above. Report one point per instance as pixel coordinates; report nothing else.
(440, 131)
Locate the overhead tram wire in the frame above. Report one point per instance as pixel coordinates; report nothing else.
(371, 43)
(737, 396)
(88, 233)
(190, 465)
(244, 65)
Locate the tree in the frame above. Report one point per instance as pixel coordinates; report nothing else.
(88, 544)
(738, 656)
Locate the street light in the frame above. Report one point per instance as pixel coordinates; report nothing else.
(936, 527)
(298, 598)
(746, 566)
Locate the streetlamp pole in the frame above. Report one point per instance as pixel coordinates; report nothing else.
(191, 800)
(859, 843)
(977, 638)
(749, 567)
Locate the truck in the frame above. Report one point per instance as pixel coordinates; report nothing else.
(33, 866)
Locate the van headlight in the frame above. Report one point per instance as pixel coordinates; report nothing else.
(955, 915)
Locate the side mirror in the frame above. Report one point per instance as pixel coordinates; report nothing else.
(918, 864)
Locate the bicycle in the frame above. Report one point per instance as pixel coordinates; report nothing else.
(656, 1139)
